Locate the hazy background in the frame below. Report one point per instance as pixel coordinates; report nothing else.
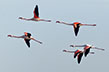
(15, 56)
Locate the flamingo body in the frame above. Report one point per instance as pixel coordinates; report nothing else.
(27, 38)
(76, 26)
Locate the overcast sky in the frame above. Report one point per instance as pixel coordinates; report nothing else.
(15, 56)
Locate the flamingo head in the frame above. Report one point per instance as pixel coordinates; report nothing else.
(20, 17)
(64, 50)
(72, 46)
(57, 21)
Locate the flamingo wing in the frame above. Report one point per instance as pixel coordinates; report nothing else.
(80, 57)
(75, 55)
(36, 12)
(27, 42)
(76, 29)
(87, 52)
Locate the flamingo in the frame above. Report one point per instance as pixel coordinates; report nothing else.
(36, 16)
(87, 48)
(76, 25)
(78, 54)
(27, 37)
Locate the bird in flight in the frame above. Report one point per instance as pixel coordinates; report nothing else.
(36, 16)
(27, 37)
(87, 48)
(76, 25)
(78, 54)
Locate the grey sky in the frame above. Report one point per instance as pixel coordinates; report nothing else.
(15, 56)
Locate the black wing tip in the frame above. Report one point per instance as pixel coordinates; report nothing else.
(74, 56)
(37, 6)
(28, 46)
(85, 55)
(76, 34)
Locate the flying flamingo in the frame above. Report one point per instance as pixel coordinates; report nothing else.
(76, 25)
(27, 37)
(87, 48)
(36, 16)
(77, 53)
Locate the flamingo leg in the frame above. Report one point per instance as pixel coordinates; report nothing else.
(87, 24)
(98, 48)
(45, 20)
(36, 40)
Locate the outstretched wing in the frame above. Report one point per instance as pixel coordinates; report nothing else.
(36, 12)
(27, 42)
(75, 55)
(87, 52)
(80, 57)
(76, 29)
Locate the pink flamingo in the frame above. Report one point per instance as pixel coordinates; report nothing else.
(78, 54)
(87, 48)
(76, 25)
(36, 16)
(27, 37)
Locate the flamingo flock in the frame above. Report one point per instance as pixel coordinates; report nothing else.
(76, 26)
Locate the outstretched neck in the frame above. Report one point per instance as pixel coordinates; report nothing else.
(98, 48)
(77, 45)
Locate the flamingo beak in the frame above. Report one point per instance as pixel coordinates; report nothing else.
(71, 45)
